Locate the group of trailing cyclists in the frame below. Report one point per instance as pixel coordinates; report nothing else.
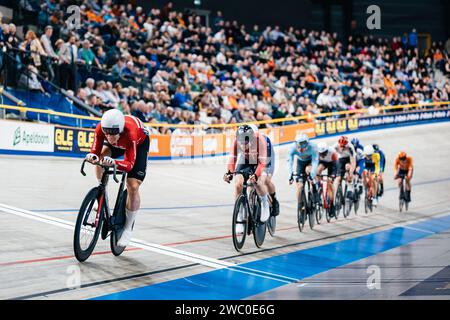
(345, 162)
(351, 168)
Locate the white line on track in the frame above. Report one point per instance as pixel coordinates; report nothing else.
(175, 253)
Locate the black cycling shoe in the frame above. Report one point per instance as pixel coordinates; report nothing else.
(275, 207)
(408, 196)
(381, 191)
(332, 211)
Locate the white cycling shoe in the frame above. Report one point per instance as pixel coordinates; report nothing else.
(375, 202)
(265, 211)
(125, 238)
(240, 226)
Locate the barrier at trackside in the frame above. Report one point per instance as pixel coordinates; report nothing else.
(41, 139)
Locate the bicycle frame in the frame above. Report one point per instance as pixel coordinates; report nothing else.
(103, 194)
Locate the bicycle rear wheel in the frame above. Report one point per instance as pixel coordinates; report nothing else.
(259, 228)
(356, 204)
(320, 210)
(338, 202)
(240, 217)
(118, 221)
(87, 229)
(311, 211)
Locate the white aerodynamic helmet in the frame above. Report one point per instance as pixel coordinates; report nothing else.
(113, 122)
(368, 150)
(322, 147)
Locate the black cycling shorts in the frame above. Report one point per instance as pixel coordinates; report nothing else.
(301, 169)
(139, 169)
(402, 173)
(342, 162)
(370, 167)
(330, 166)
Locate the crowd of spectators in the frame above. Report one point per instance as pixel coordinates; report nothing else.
(167, 66)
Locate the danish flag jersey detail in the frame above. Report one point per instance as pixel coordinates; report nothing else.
(132, 136)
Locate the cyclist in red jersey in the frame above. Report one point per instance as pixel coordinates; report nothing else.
(115, 136)
(254, 151)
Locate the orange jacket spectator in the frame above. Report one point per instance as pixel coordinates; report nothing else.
(389, 84)
(438, 56)
(310, 78)
(92, 16)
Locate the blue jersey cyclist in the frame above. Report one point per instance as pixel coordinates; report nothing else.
(305, 152)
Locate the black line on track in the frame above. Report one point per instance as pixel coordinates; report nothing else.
(98, 283)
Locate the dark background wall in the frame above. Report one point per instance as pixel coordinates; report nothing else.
(397, 16)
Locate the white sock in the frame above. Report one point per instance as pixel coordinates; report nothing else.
(131, 217)
(264, 199)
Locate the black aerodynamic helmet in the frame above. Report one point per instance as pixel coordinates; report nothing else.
(246, 134)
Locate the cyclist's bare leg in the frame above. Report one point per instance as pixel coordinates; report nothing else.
(261, 188)
(269, 184)
(375, 184)
(134, 199)
(331, 189)
(299, 186)
(106, 152)
(408, 179)
(238, 185)
(131, 210)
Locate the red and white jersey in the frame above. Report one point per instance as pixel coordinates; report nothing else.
(133, 135)
(346, 152)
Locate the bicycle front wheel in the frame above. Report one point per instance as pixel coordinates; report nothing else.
(118, 224)
(88, 225)
(301, 212)
(240, 218)
(259, 228)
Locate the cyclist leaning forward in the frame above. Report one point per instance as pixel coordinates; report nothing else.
(328, 159)
(404, 169)
(307, 162)
(360, 163)
(346, 163)
(377, 149)
(115, 136)
(372, 166)
(254, 150)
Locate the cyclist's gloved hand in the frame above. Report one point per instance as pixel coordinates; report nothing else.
(227, 177)
(108, 161)
(291, 179)
(91, 157)
(253, 178)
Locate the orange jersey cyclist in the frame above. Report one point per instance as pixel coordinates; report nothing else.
(254, 150)
(404, 169)
(115, 136)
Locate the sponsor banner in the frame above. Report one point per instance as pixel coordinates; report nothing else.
(336, 126)
(348, 125)
(388, 119)
(73, 140)
(175, 146)
(26, 136)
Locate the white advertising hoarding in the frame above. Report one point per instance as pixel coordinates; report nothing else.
(15, 135)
